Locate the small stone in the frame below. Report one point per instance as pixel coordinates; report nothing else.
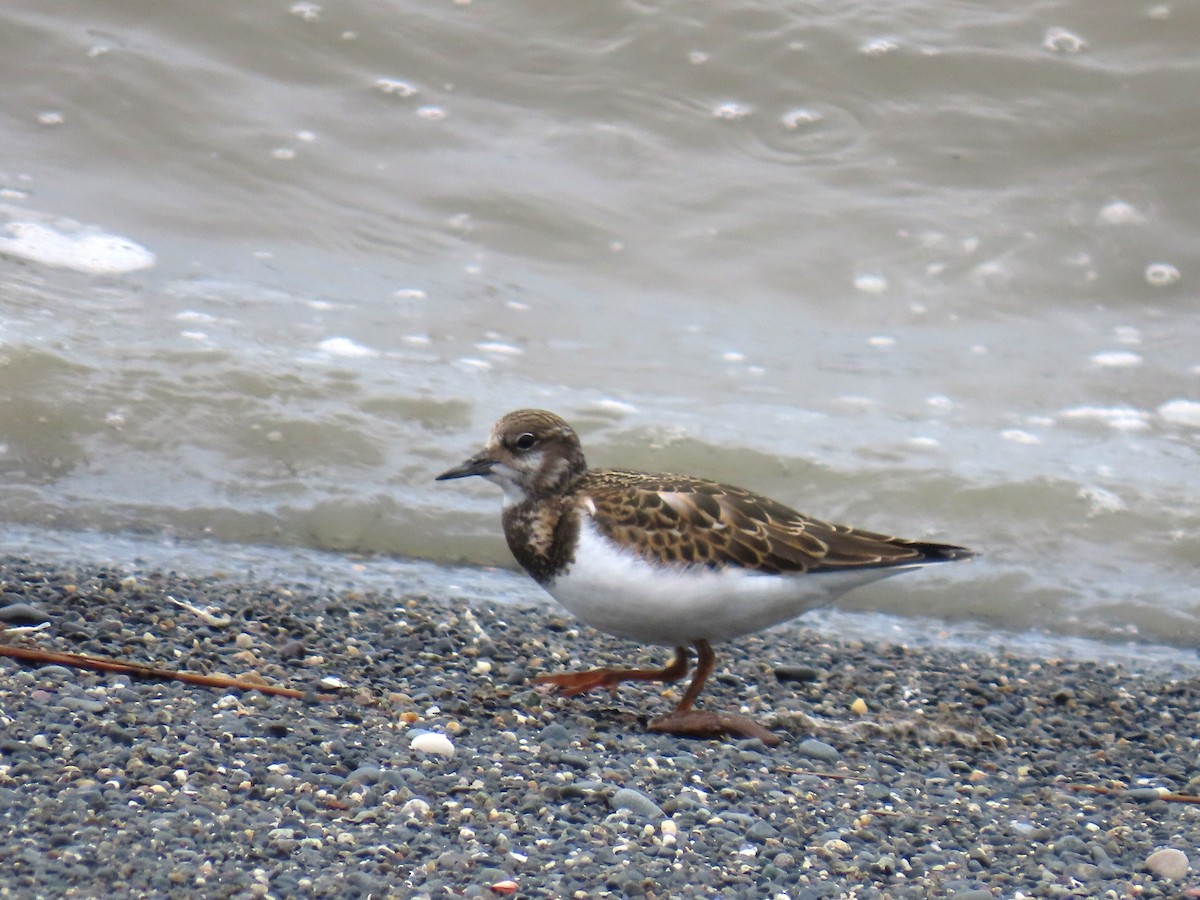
(637, 802)
(801, 674)
(555, 735)
(761, 832)
(859, 706)
(814, 749)
(23, 614)
(1145, 795)
(1168, 863)
(366, 775)
(432, 742)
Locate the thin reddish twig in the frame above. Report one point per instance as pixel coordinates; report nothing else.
(141, 670)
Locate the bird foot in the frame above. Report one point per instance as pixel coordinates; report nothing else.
(703, 723)
(568, 684)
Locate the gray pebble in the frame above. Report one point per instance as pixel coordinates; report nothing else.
(814, 749)
(760, 832)
(555, 735)
(800, 674)
(638, 803)
(23, 614)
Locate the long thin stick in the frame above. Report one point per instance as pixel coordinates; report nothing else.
(141, 670)
(1131, 794)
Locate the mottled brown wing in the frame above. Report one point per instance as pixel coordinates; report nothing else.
(678, 519)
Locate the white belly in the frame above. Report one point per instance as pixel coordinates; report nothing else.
(617, 592)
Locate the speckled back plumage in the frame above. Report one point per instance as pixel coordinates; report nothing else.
(684, 520)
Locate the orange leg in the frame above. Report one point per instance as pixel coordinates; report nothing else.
(568, 684)
(688, 722)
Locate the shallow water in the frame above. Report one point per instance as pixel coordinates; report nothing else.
(922, 268)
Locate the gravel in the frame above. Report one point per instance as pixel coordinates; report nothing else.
(436, 770)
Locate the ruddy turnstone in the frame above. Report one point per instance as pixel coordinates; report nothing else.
(669, 559)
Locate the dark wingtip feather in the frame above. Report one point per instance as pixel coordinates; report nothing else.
(941, 552)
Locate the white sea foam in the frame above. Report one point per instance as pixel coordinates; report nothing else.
(1121, 418)
(1117, 359)
(70, 245)
(1181, 412)
(344, 347)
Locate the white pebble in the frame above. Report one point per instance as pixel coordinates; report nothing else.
(432, 742)
(1168, 863)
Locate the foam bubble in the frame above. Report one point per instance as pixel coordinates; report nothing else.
(878, 47)
(1117, 359)
(75, 247)
(395, 87)
(1018, 436)
(795, 118)
(731, 111)
(871, 284)
(1101, 500)
(615, 406)
(344, 347)
(1181, 412)
(1059, 40)
(1161, 274)
(191, 315)
(1120, 418)
(309, 12)
(499, 348)
(1118, 212)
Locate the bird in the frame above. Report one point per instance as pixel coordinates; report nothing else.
(669, 560)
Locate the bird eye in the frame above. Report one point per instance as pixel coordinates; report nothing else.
(525, 441)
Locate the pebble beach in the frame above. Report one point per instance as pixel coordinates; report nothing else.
(420, 763)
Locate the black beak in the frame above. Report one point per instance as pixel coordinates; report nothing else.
(479, 464)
